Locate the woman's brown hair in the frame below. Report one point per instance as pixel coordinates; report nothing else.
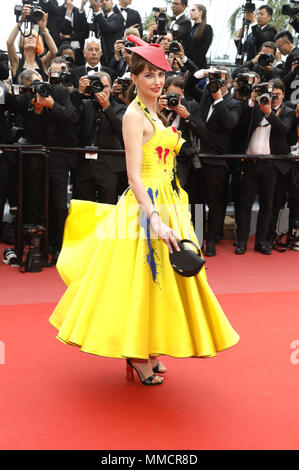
(201, 26)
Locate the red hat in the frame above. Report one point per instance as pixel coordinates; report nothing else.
(153, 53)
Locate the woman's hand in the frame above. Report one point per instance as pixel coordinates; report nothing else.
(167, 234)
(43, 22)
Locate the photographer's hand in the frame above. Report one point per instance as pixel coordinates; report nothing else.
(45, 102)
(26, 11)
(250, 17)
(162, 103)
(118, 45)
(182, 111)
(217, 96)
(43, 22)
(103, 100)
(256, 58)
(83, 83)
(266, 108)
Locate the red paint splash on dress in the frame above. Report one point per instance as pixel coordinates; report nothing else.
(159, 151)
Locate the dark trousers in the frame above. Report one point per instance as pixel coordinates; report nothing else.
(96, 182)
(216, 180)
(260, 177)
(194, 186)
(280, 199)
(59, 177)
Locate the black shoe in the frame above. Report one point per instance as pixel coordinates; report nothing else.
(210, 249)
(263, 247)
(241, 247)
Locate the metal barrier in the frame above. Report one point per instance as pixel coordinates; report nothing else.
(41, 151)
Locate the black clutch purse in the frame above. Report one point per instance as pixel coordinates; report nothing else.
(186, 262)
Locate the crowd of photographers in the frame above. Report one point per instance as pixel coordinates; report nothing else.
(69, 87)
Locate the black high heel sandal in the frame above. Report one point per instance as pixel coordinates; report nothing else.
(157, 371)
(130, 375)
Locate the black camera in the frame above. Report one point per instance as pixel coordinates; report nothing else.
(174, 47)
(173, 99)
(36, 11)
(266, 59)
(264, 92)
(125, 83)
(44, 89)
(245, 83)
(161, 21)
(61, 78)
(96, 85)
(217, 79)
(69, 60)
(249, 7)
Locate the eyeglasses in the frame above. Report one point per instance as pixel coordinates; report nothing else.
(175, 3)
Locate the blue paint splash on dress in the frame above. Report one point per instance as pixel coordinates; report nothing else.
(146, 226)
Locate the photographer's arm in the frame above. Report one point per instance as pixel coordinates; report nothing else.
(11, 50)
(52, 52)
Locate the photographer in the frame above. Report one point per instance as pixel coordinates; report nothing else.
(73, 27)
(92, 53)
(285, 43)
(263, 63)
(122, 58)
(131, 17)
(269, 125)
(31, 47)
(111, 26)
(67, 53)
(100, 176)
(220, 114)
(181, 114)
(180, 64)
(180, 26)
(261, 31)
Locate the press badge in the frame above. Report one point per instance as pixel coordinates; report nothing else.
(91, 155)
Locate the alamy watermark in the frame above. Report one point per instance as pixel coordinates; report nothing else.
(2, 353)
(295, 354)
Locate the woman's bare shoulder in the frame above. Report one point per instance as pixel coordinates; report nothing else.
(134, 113)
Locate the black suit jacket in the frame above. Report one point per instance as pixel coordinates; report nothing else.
(281, 128)
(199, 47)
(79, 72)
(133, 17)
(108, 133)
(256, 38)
(183, 33)
(215, 134)
(110, 30)
(79, 30)
(54, 18)
(288, 76)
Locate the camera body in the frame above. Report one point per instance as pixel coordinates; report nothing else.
(264, 92)
(44, 89)
(70, 61)
(161, 20)
(173, 99)
(217, 79)
(249, 7)
(125, 83)
(36, 11)
(95, 86)
(266, 59)
(61, 78)
(174, 47)
(245, 83)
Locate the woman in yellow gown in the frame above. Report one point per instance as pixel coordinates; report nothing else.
(124, 300)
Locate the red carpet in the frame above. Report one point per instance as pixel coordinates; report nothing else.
(55, 397)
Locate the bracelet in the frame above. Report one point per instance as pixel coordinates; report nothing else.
(153, 212)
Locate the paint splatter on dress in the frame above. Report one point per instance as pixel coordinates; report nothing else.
(123, 298)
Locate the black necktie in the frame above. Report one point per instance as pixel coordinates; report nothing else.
(123, 9)
(94, 69)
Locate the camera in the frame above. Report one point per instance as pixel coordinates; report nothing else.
(217, 79)
(264, 92)
(161, 20)
(36, 11)
(69, 60)
(61, 78)
(173, 99)
(292, 12)
(266, 59)
(96, 86)
(10, 257)
(44, 89)
(245, 83)
(174, 47)
(249, 7)
(125, 83)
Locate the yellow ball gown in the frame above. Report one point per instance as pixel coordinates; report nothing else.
(124, 300)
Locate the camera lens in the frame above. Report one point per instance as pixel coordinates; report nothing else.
(172, 99)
